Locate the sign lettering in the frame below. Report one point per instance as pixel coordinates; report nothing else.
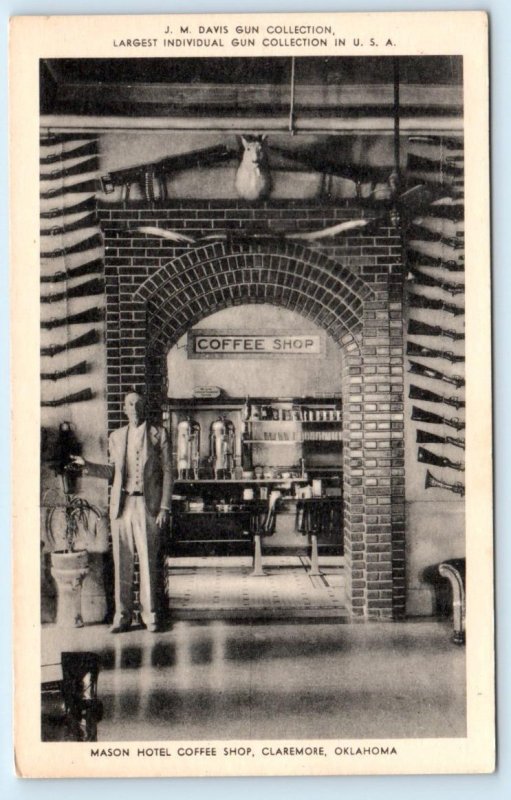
(210, 344)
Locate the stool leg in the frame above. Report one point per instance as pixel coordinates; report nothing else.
(314, 570)
(257, 571)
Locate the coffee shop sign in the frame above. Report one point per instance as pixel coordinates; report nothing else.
(231, 344)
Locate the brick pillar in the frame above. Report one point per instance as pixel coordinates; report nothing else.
(381, 397)
(353, 473)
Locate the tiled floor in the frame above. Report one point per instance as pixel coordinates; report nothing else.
(224, 588)
(221, 679)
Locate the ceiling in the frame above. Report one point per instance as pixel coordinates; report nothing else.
(347, 87)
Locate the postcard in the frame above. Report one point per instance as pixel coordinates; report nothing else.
(252, 413)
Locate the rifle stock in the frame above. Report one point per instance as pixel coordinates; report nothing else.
(428, 280)
(416, 258)
(84, 205)
(95, 286)
(87, 149)
(419, 415)
(427, 457)
(88, 165)
(416, 328)
(90, 315)
(422, 164)
(85, 340)
(88, 268)
(449, 142)
(420, 301)
(77, 397)
(77, 369)
(80, 247)
(419, 350)
(429, 372)
(416, 393)
(425, 437)
(325, 163)
(89, 185)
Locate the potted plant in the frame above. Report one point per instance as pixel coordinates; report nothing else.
(68, 526)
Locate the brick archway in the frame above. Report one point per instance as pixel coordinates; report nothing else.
(360, 316)
(216, 276)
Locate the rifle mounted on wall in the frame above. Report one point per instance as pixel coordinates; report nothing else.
(416, 258)
(420, 415)
(429, 280)
(421, 233)
(420, 301)
(419, 350)
(417, 328)
(80, 247)
(77, 397)
(88, 268)
(87, 149)
(84, 205)
(90, 185)
(429, 372)
(85, 340)
(77, 369)
(416, 393)
(442, 166)
(90, 315)
(427, 457)
(86, 289)
(448, 142)
(425, 437)
(87, 165)
(145, 175)
(84, 222)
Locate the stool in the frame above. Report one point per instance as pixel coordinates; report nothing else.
(262, 521)
(319, 518)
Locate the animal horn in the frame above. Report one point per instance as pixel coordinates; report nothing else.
(334, 230)
(164, 233)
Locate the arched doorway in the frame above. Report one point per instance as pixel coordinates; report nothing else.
(352, 311)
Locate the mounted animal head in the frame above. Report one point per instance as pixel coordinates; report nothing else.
(253, 180)
(255, 149)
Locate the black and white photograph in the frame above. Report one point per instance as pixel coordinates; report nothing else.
(252, 367)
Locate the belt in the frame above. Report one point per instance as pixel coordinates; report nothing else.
(133, 494)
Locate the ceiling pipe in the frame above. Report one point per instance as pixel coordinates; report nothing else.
(292, 98)
(397, 121)
(367, 125)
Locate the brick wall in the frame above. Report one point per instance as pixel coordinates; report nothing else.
(351, 286)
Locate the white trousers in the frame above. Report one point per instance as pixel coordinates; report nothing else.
(135, 529)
